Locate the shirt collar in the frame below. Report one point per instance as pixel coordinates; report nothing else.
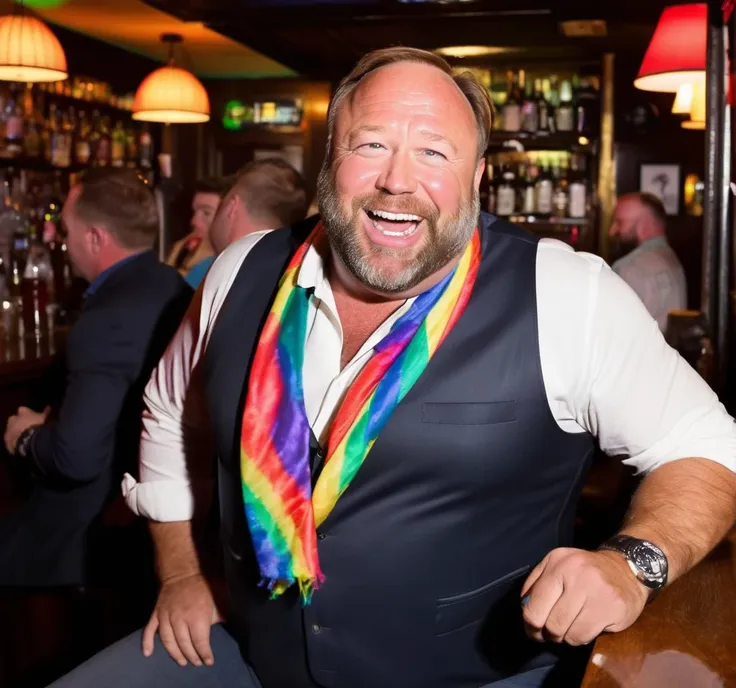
(97, 282)
(312, 272)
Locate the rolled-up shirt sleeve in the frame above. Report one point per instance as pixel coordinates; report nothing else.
(177, 452)
(645, 402)
(176, 448)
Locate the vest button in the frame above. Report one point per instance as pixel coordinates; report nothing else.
(321, 536)
(316, 628)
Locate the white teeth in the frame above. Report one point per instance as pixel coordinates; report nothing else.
(396, 217)
(387, 232)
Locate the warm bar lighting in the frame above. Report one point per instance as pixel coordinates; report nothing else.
(171, 95)
(29, 51)
(683, 100)
(697, 111)
(676, 53)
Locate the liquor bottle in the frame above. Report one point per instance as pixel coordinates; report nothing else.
(506, 193)
(512, 106)
(565, 115)
(131, 147)
(102, 154)
(14, 126)
(82, 145)
(544, 190)
(560, 200)
(530, 109)
(18, 220)
(542, 107)
(491, 207)
(36, 286)
(578, 187)
(32, 142)
(94, 137)
(529, 203)
(58, 143)
(117, 151)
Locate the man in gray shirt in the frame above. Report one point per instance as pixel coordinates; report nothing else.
(652, 268)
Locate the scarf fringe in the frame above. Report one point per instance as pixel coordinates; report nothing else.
(307, 586)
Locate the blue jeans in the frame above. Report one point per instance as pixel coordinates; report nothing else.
(123, 665)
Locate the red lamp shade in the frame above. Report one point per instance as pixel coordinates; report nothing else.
(677, 50)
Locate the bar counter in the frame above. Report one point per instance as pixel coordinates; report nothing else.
(685, 638)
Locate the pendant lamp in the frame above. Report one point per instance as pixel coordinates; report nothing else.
(676, 53)
(170, 94)
(29, 51)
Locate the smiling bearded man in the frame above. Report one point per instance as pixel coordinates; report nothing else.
(403, 399)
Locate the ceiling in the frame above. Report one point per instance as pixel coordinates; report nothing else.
(137, 27)
(324, 39)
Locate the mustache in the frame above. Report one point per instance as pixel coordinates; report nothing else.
(396, 204)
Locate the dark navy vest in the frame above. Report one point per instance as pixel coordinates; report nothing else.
(468, 486)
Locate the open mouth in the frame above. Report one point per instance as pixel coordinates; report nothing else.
(394, 224)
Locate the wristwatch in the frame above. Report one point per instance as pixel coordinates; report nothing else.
(23, 445)
(647, 561)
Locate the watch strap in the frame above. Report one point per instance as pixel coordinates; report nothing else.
(24, 444)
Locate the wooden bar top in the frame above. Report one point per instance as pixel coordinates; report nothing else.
(686, 638)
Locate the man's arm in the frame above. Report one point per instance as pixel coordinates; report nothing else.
(176, 471)
(186, 608)
(642, 401)
(686, 507)
(104, 358)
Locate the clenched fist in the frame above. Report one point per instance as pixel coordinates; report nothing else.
(573, 596)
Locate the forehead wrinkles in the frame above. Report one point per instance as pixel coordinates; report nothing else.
(409, 88)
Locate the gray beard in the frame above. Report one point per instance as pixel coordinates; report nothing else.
(444, 242)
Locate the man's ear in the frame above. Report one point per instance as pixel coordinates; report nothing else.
(97, 239)
(479, 170)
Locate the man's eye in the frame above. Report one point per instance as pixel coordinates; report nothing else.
(433, 153)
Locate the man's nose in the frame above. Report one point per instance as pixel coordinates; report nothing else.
(398, 177)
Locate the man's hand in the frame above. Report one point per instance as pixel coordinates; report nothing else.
(184, 613)
(574, 595)
(23, 419)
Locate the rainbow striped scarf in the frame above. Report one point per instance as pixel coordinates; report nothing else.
(281, 510)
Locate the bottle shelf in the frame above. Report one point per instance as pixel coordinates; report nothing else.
(546, 221)
(38, 165)
(101, 106)
(522, 141)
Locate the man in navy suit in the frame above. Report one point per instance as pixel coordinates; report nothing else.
(79, 450)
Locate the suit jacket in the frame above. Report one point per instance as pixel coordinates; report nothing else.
(80, 456)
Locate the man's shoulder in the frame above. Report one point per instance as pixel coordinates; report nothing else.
(560, 266)
(229, 262)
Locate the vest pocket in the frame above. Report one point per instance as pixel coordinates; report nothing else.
(462, 611)
(484, 413)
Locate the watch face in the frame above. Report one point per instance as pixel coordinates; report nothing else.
(652, 564)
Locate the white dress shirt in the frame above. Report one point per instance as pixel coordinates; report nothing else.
(606, 368)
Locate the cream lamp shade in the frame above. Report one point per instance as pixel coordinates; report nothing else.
(29, 51)
(697, 109)
(683, 100)
(171, 95)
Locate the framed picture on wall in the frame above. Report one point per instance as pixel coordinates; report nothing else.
(663, 181)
